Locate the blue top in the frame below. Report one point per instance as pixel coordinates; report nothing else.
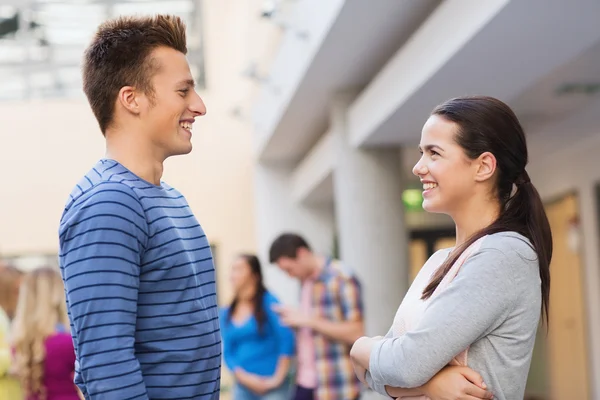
(255, 352)
(140, 288)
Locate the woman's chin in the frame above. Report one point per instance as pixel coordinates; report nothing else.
(431, 207)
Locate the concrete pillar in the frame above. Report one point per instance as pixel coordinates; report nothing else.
(590, 213)
(277, 212)
(370, 221)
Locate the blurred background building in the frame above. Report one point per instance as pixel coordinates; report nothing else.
(314, 113)
(338, 118)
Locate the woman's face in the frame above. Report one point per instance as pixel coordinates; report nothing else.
(444, 169)
(241, 275)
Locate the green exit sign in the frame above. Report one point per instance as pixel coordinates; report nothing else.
(413, 199)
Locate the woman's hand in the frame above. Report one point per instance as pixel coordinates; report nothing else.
(360, 372)
(254, 383)
(456, 383)
(271, 383)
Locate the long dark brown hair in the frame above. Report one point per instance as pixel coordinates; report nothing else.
(486, 124)
(259, 310)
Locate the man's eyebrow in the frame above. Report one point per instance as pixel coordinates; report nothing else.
(188, 82)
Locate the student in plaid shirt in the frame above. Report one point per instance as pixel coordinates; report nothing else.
(328, 321)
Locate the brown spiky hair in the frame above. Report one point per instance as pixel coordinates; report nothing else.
(120, 55)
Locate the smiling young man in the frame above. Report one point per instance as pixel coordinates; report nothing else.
(136, 264)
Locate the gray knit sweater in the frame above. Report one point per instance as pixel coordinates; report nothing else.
(493, 305)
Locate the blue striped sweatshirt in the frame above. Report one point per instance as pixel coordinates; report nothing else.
(140, 288)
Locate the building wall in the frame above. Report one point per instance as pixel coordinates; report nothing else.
(575, 169)
(47, 146)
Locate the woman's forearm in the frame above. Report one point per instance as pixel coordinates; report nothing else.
(401, 392)
(281, 372)
(361, 351)
(361, 354)
(241, 376)
(257, 384)
(360, 373)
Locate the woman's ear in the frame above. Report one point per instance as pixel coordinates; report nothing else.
(486, 166)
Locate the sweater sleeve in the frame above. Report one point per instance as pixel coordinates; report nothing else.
(378, 387)
(478, 298)
(102, 238)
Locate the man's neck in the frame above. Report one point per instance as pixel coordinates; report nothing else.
(139, 159)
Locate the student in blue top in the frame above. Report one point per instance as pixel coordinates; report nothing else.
(257, 347)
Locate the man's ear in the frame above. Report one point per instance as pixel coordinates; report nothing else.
(128, 98)
(301, 252)
(486, 166)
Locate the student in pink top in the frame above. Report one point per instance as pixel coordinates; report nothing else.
(329, 320)
(44, 353)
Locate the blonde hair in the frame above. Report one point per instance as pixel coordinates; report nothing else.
(41, 308)
(9, 288)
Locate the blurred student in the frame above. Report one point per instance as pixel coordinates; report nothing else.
(257, 347)
(44, 353)
(10, 279)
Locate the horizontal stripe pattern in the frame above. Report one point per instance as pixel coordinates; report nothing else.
(140, 287)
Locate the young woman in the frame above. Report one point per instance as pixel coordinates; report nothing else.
(10, 279)
(44, 354)
(257, 347)
(478, 304)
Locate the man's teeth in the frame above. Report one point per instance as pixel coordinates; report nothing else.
(427, 186)
(186, 125)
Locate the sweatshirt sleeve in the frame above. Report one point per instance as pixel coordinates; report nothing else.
(102, 238)
(378, 387)
(481, 295)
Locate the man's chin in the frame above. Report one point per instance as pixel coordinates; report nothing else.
(181, 150)
(188, 149)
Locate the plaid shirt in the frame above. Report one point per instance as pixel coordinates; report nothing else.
(337, 297)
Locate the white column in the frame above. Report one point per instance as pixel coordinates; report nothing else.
(370, 221)
(277, 212)
(590, 234)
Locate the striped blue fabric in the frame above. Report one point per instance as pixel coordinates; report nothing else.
(140, 287)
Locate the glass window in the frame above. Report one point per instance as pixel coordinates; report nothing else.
(42, 41)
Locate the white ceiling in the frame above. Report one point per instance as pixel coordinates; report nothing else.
(364, 36)
(521, 57)
(539, 56)
(42, 58)
(567, 90)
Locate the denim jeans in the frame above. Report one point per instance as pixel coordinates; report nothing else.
(281, 393)
(306, 394)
